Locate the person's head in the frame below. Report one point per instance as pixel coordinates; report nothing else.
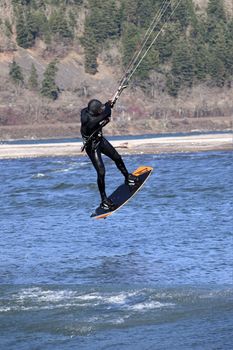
(95, 107)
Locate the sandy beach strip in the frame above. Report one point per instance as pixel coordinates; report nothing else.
(155, 145)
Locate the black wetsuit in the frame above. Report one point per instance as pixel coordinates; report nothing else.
(98, 144)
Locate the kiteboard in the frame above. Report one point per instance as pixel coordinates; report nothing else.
(124, 192)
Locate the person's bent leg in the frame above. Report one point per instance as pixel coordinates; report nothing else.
(112, 153)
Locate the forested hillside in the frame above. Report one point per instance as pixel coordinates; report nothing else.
(57, 54)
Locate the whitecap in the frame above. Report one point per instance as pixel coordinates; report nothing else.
(150, 305)
(120, 298)
(117, 299)
(5, 309)
(41, 295)
(38, 176)
(119, 320)
(65, 170)
(89, 297)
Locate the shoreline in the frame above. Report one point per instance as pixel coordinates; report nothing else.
(155, 145)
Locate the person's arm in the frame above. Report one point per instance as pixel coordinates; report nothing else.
(106, 112)
(95, 121)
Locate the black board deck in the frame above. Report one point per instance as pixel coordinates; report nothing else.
(124, 192)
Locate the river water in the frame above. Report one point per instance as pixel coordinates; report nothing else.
(158, 274)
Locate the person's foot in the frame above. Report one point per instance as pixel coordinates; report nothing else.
(131, 180)
(107, 204)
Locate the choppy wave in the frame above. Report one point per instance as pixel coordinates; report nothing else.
(73, 311)
(136, 300)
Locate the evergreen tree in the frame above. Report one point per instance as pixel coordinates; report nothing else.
(21, 30)
(102, 22)
(182, 64)
(200, 55)
(33, 78)
(216, 11)
(145, 13)
(25, 28)
(173, 85)
(91, 52)
(91, 65)
(8, 28)
(58, 24)
(49, 88)
(150, 62)
(182, 70)
(31, 27)
(41, 26)
(130, 11)
(218, 56)
(167, 41)
(216, 17)
(15, 73)
(167, 14)
(229, 48)
(183, 13)
(199, 49)
(217, 70)
(130, 41)
(72, 18)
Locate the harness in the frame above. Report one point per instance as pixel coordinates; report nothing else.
(95, 136)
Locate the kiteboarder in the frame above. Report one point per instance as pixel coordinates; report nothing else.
(93, 118)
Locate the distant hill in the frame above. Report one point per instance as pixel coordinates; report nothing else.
(55, 55)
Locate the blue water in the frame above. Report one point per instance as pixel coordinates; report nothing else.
(158, 274)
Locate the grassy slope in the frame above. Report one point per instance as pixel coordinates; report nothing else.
(200, 108)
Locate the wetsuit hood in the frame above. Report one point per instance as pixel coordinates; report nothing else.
(95, 107)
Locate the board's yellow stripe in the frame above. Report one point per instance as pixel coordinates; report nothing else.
(141, 170)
